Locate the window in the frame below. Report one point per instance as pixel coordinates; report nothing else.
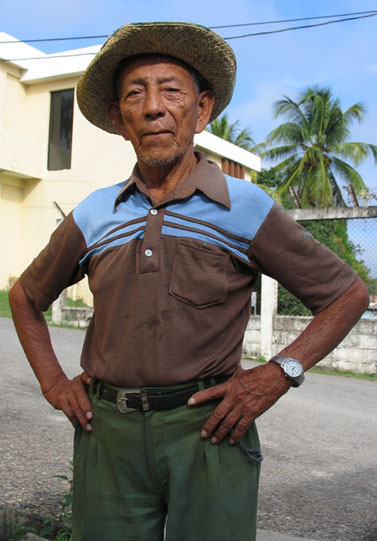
(60, 136)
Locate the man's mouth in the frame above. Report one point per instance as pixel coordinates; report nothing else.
(156, 133)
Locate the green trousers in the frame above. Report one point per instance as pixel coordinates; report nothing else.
(148, 476)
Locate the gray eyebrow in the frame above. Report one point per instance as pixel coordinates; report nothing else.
(139, 81)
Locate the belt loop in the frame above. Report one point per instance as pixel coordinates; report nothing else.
(96, 386)
(144, 402)
(201, 384)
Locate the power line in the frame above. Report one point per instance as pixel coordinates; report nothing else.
(37, 40)
(294, 20)
(47, 57)
(373, 14)
(268, 32)
(73, 38)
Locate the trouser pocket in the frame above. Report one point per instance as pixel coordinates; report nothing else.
(249, 445)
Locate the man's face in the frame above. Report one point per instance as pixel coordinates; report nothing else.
(159, 109)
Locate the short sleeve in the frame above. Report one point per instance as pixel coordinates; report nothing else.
(57, 266)
(288, 253)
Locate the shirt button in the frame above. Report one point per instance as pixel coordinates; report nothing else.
(148, 253)
(154, 212)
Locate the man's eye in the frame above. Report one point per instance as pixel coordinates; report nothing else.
(132, 93)
(172, 89)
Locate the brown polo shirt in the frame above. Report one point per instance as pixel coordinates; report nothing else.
(172, 282)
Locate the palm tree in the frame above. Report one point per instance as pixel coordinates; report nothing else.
(231, 132)
(314, 148)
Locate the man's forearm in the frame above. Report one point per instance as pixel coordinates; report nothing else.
(62, 393)
(35, 338)
(329, 327)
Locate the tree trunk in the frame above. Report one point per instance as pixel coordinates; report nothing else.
(295, 197)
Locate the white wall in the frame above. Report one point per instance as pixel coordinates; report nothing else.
(27, 188)
(356, 353)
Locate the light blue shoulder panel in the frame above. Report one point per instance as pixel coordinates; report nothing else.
(96, 217)
(250, 206)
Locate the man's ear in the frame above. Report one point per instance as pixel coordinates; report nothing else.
(205, 106)
(115, 117)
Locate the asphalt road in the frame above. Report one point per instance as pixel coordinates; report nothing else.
(319, 475)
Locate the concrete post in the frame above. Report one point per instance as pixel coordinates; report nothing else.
(58, 305)
(57, 308)
(269, 304)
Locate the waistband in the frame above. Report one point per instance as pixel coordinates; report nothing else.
(152, 398)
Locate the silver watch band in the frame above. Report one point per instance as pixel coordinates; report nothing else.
(292, 369)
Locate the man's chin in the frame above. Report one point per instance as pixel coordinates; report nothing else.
(159, 161)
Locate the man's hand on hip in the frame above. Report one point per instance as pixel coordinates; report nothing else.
(247, 395)
(70, 396)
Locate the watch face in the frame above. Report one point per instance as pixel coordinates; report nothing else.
(292, 368)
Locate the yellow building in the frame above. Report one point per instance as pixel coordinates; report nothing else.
(51, 157)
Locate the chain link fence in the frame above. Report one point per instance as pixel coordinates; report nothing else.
(363, 233)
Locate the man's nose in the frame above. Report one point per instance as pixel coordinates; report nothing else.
(153, 104)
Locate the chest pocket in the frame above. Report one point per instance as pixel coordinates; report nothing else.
(199, 276)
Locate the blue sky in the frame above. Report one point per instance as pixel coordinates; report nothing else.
(341, 56)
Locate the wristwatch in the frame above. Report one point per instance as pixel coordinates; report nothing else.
(291, 368)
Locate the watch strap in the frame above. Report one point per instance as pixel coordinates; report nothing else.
(281, 360)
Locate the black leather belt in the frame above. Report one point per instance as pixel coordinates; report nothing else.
(129, 400)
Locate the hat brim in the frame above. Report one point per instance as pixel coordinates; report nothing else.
(204, 50)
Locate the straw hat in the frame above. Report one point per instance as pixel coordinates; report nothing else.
(205, 51)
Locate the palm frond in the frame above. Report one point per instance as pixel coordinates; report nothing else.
(291, 110)
(350, 175)
(293, 173)
(279, 152)
(244, 139)
(355, 112)
(231, 132)
(223, 128)
(337, 192)
(289, 133)
(283, 167)
(373, 151)
(354, 151)
(259, 148)
(320, 185)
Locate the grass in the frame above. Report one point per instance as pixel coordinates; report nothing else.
(5, 308)
(346, 374)
(6, 312)
(4, 304)
(78, 303)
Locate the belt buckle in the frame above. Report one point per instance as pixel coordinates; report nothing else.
(122, 400)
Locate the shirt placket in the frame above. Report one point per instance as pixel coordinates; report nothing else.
(151, 245)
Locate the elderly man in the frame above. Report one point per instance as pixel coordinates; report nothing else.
(165, 436)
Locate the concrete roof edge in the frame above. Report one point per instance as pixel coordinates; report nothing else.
(17, 49)
(208, 141)
(59, 65)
